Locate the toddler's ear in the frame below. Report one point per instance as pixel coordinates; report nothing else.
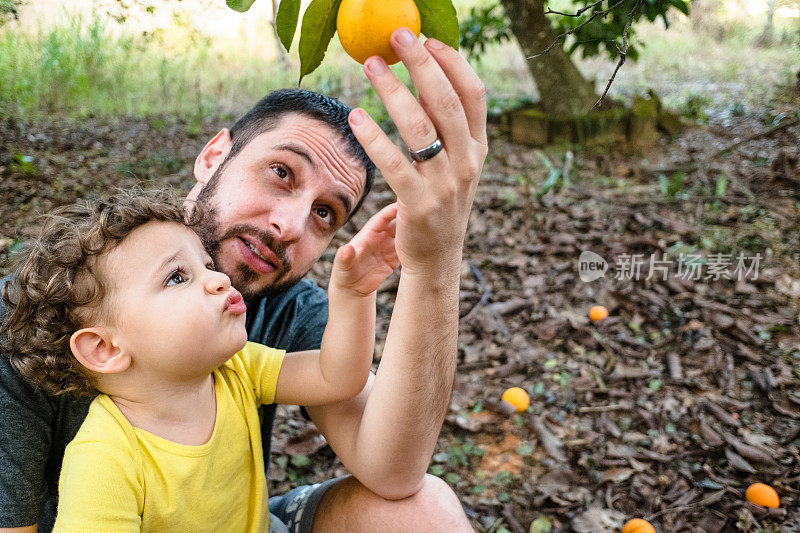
(93, 348)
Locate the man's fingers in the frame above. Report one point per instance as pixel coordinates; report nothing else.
(416, 128)
(466, 83)
(392, 163)
(442, 101)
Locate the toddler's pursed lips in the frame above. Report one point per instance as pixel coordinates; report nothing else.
(235, 303)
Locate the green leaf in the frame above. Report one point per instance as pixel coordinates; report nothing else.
(553, 176)
(722, 186)
(286, 21)
(319, 25)
(681, 6)
(541, 525)
(16, 246)
(439, 20)
(300, 461)
(504, 478)
(452, 478)
(437, 470)
(663, 184)
(239, 5)
(655, 385)
(676, 183)
(525, 449)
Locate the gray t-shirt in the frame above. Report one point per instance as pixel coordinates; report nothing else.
(35, 427)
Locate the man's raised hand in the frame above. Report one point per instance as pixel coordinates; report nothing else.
(434, 196)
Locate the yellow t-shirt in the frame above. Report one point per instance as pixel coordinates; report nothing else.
(119, 478)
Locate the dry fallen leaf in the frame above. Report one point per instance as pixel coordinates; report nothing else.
(597, 520)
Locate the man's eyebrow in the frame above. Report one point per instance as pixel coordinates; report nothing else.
(289, 147)
(166, 262)
(346, 202)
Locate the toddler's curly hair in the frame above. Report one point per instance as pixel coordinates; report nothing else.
(56, 288)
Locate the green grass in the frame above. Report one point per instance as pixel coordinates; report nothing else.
(90, 65)
(726, 67)
(81, 67)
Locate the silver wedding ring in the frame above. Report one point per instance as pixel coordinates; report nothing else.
(427, 152)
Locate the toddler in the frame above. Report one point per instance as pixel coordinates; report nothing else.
(118, 298)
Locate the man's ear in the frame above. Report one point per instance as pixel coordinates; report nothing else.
(212, 156)
(95, 350)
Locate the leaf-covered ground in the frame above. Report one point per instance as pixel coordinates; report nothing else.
(667, 410)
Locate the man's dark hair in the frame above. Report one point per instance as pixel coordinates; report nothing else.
(268, 112)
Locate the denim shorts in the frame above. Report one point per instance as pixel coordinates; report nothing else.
(294, 511)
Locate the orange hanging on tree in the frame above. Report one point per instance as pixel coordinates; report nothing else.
(365, 26)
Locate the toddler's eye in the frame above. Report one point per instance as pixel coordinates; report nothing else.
(175, 278)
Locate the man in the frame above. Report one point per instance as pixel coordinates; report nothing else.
(277, 189)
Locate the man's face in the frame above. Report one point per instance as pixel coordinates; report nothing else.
(277, 204)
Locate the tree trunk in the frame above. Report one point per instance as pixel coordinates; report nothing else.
(562, 88)
(770, 16)
(767, 37)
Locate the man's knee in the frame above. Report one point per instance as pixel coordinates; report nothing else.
(434, 507)
(438, 497)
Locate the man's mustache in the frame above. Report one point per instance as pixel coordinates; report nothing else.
(265, 238)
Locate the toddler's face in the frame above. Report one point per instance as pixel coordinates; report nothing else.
(173, 312)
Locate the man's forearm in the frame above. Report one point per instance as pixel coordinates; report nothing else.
(385, 435)
(411, 392)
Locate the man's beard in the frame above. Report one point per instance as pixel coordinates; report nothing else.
(243, 277)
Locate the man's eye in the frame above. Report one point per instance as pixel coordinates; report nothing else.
(175, 278)
(281, 172)
(325, 214)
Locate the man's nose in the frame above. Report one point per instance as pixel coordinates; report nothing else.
(216, 282)
(288, 219)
